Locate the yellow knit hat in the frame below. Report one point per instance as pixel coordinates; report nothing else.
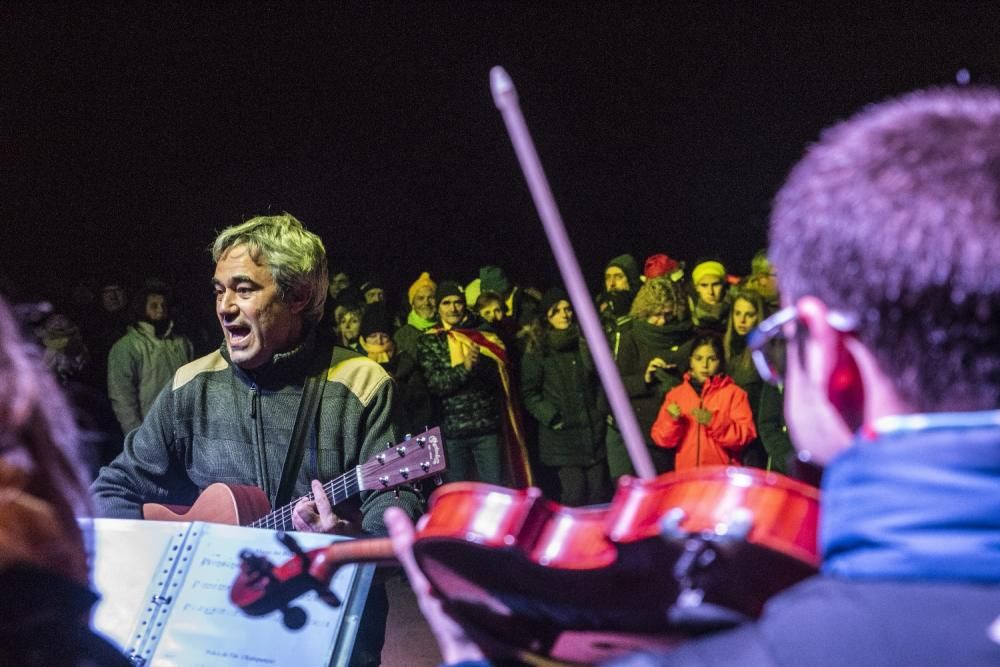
(711, 268)
(423, 281)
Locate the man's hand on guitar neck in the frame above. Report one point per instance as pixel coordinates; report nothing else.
(317, 516)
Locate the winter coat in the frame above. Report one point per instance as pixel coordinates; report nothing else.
(560, 389)
(632, 356)
(718, 443)
(748, 379)
(406, 338)
(411, 389)
(466, 403)
(770, 420)
(139, 366)
(771, 448)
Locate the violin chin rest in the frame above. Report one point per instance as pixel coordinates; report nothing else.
(704, 618)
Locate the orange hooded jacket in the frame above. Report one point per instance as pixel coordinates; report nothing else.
(718, 443)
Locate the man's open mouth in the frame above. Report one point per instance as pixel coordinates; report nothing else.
(238, 334)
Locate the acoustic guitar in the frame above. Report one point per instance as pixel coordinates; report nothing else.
(412, 460)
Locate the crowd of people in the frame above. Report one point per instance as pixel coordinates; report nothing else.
(502, 368)
(111, 351)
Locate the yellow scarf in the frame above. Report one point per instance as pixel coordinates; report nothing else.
(379, 353)
(460, 341)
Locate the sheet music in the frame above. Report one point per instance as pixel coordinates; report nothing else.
(201, 627)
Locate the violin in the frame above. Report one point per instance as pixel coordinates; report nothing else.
(670, 558)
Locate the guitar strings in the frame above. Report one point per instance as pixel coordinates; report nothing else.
(340, 488)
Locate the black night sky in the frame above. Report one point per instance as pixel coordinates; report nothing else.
(129, 132)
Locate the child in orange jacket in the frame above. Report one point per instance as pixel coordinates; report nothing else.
(708, 417)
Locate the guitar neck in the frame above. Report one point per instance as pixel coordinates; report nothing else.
(412, 460)
(337, 491)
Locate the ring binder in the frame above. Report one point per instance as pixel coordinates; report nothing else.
(165, 597)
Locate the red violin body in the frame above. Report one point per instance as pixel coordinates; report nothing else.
(669, 558)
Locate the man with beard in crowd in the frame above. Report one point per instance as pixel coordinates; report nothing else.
(141, 362)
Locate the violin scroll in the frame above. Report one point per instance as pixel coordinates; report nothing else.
(262, 587)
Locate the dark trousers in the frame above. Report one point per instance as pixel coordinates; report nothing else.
(584, 485)
(474, 458)
(620, 463)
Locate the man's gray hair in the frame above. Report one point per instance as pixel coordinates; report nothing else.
(294, 255)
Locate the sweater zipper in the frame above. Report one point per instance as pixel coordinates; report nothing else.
(258, 431)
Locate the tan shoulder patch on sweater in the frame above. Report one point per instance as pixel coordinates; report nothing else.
(360, 375)
(210, 363)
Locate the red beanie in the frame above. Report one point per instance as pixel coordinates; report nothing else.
(659, 265)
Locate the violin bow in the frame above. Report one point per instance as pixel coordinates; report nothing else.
(505, 98)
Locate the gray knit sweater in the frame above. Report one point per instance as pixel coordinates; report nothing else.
(218, 423)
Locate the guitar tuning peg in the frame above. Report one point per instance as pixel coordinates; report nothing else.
(395, 492)
(438, 481)
(407, 436)
(388, 445)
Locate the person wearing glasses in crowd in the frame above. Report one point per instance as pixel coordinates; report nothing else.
(763, 280)
(886, 236)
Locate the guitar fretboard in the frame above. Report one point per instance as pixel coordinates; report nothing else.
(337, 490)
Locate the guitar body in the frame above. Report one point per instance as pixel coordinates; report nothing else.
(232, 504)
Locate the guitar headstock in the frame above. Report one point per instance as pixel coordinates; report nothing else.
(416, 458)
